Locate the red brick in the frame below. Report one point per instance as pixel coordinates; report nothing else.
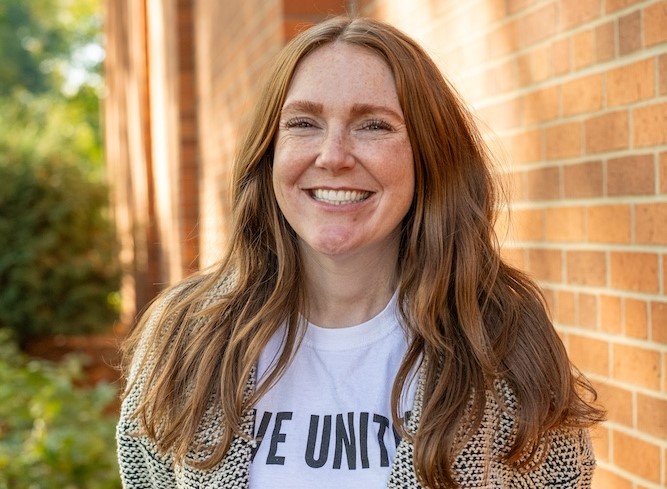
(629, 33)
(542, 184)
(609, 224)
(584, 180)
(583, 49)
(514, 6)
(499, 79)
(501, 115)
(637, 456)
(309, 7)
(631, 83)
(607, 132)
(631, 175)
(635, 271)
(560, 56)
(503, 40)
(589, 355)
(600, 438)
(663, 173)
(649, 125)
(636, 318)
(575, 12)
(655, 23)
(610, 314)
(524, 147)
(636, 366)
(528, 224)
(535, 66)
(659, 322)
(565, 224)
(550, 299)
(538, 24)
(617, 402)
(541, 105)
(652, 415)
(582, 95)
(586, 268)
(513, 183)
(514, 256)
(605, 44)
(545, 264)
(662, 74)
(614, 5)
(567, 308)
(588, 311)
(651, 223)
(605, 479)
(563, 140)
(495, 10)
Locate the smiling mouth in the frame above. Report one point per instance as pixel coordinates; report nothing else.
(339, 197)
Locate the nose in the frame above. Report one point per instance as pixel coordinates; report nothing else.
(335, 151)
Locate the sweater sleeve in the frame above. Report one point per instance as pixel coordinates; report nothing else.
(141, 466)
(567, 464)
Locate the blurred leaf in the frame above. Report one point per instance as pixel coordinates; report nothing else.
(52, 434)
(58, 257)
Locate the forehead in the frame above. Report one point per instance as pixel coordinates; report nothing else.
(341, 70)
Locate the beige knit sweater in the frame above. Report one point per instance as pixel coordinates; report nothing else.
(567, 464)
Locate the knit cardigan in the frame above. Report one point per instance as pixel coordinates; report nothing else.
(565, 462)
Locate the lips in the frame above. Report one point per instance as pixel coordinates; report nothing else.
(339, 197)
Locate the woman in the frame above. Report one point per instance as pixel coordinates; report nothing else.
(362, 330)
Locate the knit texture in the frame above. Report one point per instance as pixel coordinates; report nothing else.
(565, 462)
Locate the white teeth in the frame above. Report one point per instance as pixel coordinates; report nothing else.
(339, 197)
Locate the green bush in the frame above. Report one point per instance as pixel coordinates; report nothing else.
(53, 435)
(59, 270)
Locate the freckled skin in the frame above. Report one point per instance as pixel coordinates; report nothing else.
(342, 128)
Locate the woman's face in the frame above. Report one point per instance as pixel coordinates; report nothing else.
(343, 170)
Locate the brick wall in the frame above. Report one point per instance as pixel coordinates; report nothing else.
(573, 98)
(151, 143)
(128, 152)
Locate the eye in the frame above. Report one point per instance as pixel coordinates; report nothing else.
(298, 123)
(376, 125)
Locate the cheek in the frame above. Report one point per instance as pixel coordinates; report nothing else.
(286, 168)
(404, 172)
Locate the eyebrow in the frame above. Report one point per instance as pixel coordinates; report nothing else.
(357, 109)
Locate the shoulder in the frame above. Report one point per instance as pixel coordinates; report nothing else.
(168, 322)
(563, 456)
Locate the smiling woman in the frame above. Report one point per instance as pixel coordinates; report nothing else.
(362, 330)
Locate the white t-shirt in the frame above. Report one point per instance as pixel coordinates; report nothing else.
(327, 421)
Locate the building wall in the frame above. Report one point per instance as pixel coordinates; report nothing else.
(572, 98)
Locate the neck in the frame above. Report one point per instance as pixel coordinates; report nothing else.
(346, 291)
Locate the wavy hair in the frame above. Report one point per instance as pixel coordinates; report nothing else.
(472, 318)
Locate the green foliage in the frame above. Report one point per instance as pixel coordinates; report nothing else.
(44, 44)
(37, 128)
(50, 81)
(58, 255)
(53, 435)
